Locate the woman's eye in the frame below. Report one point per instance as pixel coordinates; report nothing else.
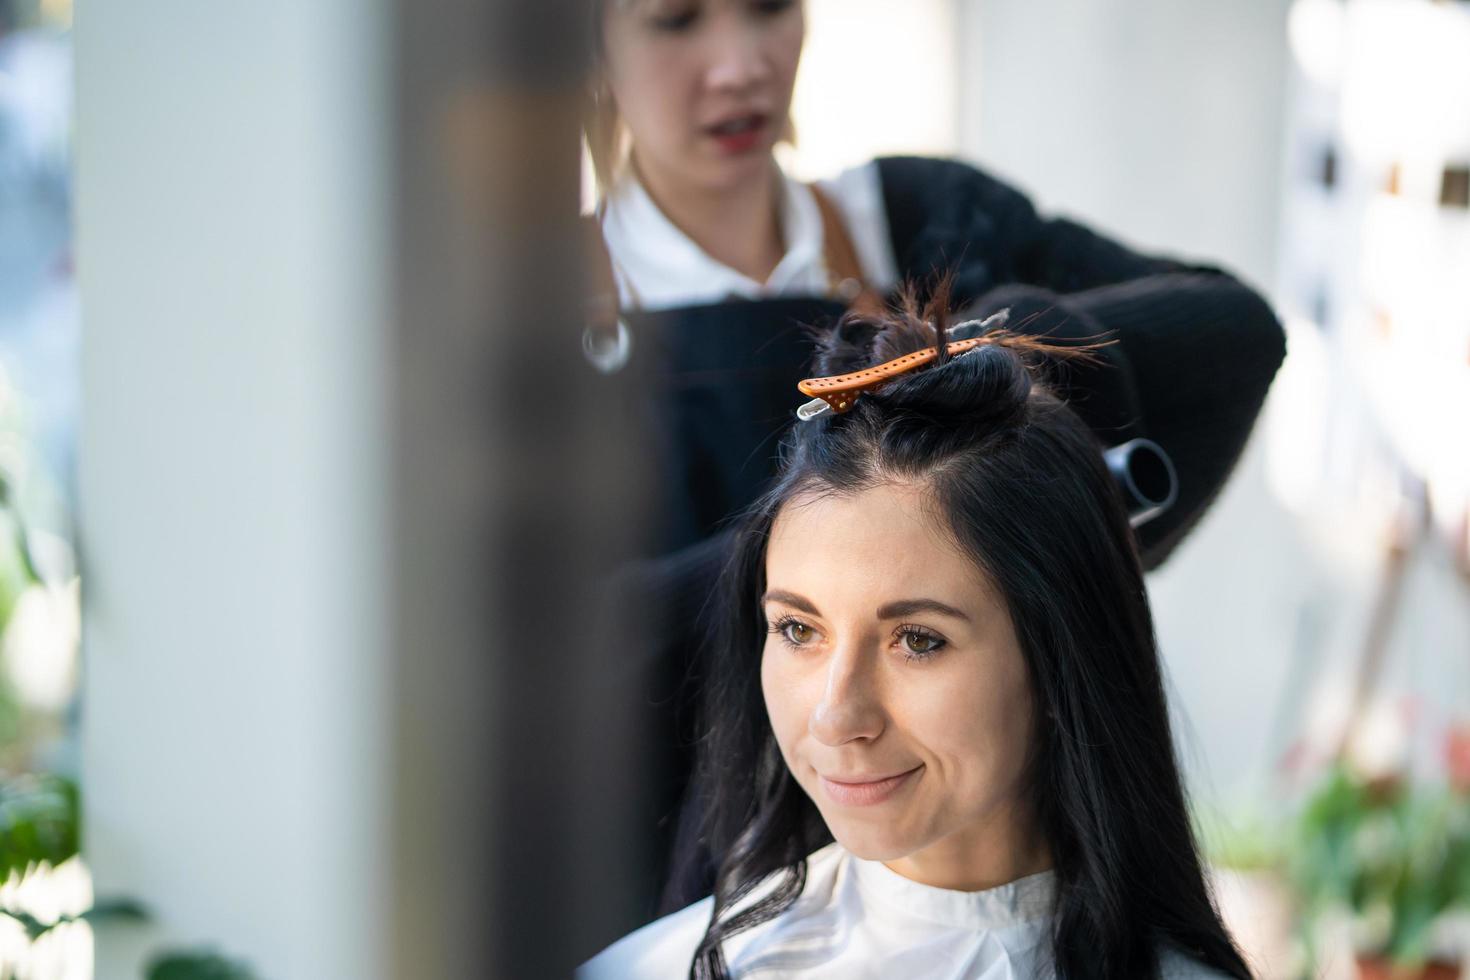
(920, 643)
(676, 19)
(797, 633)
(772, 6)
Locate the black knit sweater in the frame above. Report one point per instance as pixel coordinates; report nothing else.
(1196, 350)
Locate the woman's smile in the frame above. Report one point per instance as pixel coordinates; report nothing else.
(866, 791)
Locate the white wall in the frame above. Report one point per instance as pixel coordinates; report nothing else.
(849, 109)
(1161, 122)
(1160, 119)
(231, 217)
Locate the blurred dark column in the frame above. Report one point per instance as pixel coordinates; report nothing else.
(515, 493)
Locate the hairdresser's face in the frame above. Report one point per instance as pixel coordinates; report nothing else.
(893, 678)
(703, 85)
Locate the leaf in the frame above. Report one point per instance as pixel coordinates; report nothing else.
(111, 910)
(117, 910)
(39, 821)
(16, 571)
(196, 965)
(33, 926)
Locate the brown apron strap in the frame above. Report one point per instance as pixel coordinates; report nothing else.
(602, 299)
(844, 271)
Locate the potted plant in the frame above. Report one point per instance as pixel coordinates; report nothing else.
(1395, 856)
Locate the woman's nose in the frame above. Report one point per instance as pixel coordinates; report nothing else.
(738, 60)
(849, 708)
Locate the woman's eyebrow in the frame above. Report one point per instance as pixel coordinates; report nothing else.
(907, 607)
(790, 599)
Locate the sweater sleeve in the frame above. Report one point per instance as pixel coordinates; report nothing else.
(1195, 349)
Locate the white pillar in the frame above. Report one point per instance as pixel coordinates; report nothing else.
(232, 223)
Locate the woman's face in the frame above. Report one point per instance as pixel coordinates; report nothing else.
(704, 86)
(894, 681)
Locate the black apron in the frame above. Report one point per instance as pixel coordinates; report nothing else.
(721, 394)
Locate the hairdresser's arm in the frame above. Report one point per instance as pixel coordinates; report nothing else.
(1196, 350)
(1195, 356)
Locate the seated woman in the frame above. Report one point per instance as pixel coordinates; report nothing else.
(710, 260)
(936, 742)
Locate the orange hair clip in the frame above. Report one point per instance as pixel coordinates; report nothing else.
(838, 393)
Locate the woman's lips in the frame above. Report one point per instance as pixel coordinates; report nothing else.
(865, 793)
(740, 134)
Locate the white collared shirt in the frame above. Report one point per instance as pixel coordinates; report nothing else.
(658, 267)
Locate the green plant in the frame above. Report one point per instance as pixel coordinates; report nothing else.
(1397, 857)
(1247, 839)
(197, 965)
(39, 821)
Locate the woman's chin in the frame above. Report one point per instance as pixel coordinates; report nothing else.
(872, 843)
(729, 174)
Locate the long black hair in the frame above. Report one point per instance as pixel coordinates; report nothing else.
(1024, 489)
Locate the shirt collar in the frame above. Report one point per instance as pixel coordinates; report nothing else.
(1024, 900)
(657, 266)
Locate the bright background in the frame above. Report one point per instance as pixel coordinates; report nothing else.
(195, 321)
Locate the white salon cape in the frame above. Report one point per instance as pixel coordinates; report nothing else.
(857, 920)
(658, 267)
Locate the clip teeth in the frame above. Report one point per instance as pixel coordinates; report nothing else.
(813, 409)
